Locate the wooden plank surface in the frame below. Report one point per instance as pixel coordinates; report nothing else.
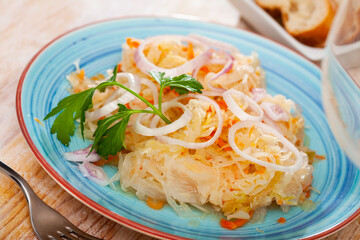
(27, 25)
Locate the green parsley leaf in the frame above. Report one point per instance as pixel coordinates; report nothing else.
(70, 108)
(182, 84)
(110, 140)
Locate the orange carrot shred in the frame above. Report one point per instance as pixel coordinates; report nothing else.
(204, 69)
(154, 204)
(231, 225)
(132, 43)
(36, 119)
(251, 130)
(190, 51)
(222, 104)
(320, 157)
(81, 74)
(281, 220)
(119, 67)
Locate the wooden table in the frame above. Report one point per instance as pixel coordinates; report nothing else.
(27, 25)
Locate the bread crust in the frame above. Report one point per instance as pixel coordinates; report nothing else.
(315, 35)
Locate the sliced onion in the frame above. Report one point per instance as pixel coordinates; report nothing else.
(169, 128)
(267, 120)
(269, 130)
(275, 111)
(227, 67)
(153, 88)
(214, 93)
(94, 173)
(145, 65)
(258, 94)
(238, 111)
(189, 145)
(239, 214)
(215, 43)
(134, 84)
(82, 155)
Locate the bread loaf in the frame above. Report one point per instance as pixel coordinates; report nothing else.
(308, 21)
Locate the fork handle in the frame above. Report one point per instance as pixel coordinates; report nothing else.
(19, 180)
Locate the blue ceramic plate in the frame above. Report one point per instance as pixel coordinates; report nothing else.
(98, 45)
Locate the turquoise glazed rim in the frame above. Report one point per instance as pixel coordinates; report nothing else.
(99, 47)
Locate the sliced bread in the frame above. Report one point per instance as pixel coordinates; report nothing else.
(308, 21)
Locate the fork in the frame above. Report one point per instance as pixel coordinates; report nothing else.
(47, 223)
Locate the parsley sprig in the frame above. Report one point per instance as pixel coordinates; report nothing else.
(110, 133)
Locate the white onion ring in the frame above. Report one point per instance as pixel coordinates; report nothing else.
(237, 111)
(258, 94)
(215, 43)
(134, 84)
(82, 155)
(94, 173)
(153, 88)
(267, 129)
(189, 145)
(145, 65)
(267, 120)
(213, 93)
(275, 111)
(169, 128)
(227, 67)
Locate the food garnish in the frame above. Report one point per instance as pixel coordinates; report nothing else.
(110, 133)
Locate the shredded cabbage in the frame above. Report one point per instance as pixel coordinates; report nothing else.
(214, 176)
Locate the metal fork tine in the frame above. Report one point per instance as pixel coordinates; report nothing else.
(54, 237)
(67, 235)
(80, 233)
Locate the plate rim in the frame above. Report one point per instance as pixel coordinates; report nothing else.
(96, 206)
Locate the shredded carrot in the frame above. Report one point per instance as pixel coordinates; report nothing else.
(154, 204)
(36, 119)
(231, 225)
(204, 69)
(176, 93)
(281, 220)
(128, 105)
(222, 104)
(233, 122)
(119, 67)
(81, 74)
(132, 43)
(101, 162)
(251, 130)
(261, 170)
(221, 143)
(190, 51)
(210, 136)
(321, 157)
(112, 159)
(98, 77)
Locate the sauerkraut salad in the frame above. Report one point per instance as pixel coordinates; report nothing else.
(233, 149)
